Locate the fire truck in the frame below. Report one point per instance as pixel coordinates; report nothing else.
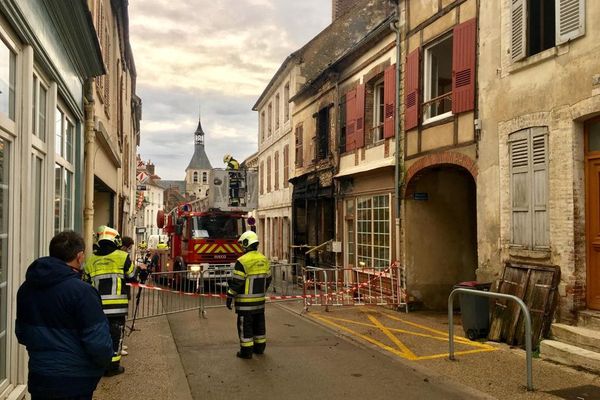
(203, 233)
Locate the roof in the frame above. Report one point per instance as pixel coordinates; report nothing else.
(342, 35)
(179, 185)
(199, 159)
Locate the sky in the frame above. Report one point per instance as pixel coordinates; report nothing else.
(213, 57)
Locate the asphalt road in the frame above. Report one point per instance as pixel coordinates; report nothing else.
(303, 360)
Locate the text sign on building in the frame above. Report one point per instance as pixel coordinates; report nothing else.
(421, 196)
(139, 231)
(141, 187)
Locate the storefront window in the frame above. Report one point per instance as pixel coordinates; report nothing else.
(7, 81)
(4, 189)
(373, 231)
(63, 171)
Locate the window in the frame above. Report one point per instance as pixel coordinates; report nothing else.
(350, 232)
(269, 174)
(195, 177)
(299, 149)
(373, 231)
(378, 111)
(269, 120)
(277, 112)
(37, 181)
(322, 138)
(286, 100)
(204, 178)
(7, 81)
(529, 187)
(39, 109)
(537, 25)
(276, 170)
(342, 108)
(63, 171)
(438, 80)
(286, 166)
(262, 126)
(262, 177)
(4, 215)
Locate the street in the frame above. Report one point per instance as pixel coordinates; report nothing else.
(303, 360)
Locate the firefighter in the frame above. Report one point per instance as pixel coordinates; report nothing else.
(232, 163)
(108, 270)
(248, 285)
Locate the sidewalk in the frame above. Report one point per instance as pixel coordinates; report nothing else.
(153, 368)
(419, 339)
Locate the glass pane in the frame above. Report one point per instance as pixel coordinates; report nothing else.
(58, 130)
(7, 81)
(594, 136)
(3, 255)
(69, 141)
(57, 198)
(34, 105)
(37, 204)
(68, 200)
(41, 132)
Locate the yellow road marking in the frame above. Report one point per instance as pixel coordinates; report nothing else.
(405, 351)
(392, 337)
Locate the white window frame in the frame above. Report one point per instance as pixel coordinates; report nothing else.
(427, 83)
(66, 166)
(372, 259)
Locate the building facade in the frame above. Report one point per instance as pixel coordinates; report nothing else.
(275, 122)
(537, 196)
(49, 51)
(112, 141)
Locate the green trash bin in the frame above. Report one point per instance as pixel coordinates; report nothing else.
(475, 310)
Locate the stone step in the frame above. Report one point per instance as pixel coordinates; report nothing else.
(589, 319)
(570, 355)
(585, 338)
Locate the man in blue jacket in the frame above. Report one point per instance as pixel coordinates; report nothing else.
(61, 322)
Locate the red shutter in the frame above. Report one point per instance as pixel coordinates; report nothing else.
(350, 120)
(389, 98)
(463, 66)
(360, 116)
(411, 87)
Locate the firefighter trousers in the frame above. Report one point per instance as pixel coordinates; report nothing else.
(252, 332)
(117, 332)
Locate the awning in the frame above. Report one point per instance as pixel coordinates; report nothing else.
(366, 167)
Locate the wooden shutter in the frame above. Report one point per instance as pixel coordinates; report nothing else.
(276, 172)
(299, 147)
(350, 120)
(570, 20)
(286, 166)
(464, 53)
(359, 135)
(268, 174)
(539, 197)
(411, 87)
(520, 188)
(518, 20)
(261, 175)
(389, 97)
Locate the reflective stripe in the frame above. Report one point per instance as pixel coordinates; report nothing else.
(116, 311)
(257, 340)
(115, 301)
(240, 299)
(249, 308)
(116, 358)
(250, 296)
(231, 292)
(247, 344)
(237, 276)
(113, 296)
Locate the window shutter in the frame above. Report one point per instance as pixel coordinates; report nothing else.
(520, 188)
(518, 16)
(299, 147)
(286, 165)
(464, 53)
(261, 175)
(276, 172)
(359, 135)
(350, 120)
(539, 151)
(411, 87)
(570, 20)
(389, 97)
(268, 174)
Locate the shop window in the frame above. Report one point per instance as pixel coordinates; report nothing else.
(7, 81)
(350, 233)
(64, 171)
(373, 232)
(4, 215)
(39, 109)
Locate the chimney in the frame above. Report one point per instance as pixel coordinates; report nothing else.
(339, 7)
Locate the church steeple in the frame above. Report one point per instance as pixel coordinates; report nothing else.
(199, 134)
(199, 160)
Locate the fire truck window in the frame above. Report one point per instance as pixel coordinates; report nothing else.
(216, 227)
(186, 230)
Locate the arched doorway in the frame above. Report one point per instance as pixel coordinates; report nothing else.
(440, 232)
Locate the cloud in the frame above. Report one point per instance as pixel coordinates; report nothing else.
(219, 55)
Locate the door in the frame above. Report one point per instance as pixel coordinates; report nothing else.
(592, 149)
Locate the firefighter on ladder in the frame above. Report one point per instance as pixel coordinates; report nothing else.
(233, 167)
(108, 270)
(248, 285)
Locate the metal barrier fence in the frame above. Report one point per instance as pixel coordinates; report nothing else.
(355, 286)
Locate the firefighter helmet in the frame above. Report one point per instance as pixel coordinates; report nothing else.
(248, 238)
(107, 233)
(227, 158)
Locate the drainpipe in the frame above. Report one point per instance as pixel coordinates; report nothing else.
(399, 138)
(89, 151)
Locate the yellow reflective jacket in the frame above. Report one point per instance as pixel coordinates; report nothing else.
(249, 282)
(108, 275)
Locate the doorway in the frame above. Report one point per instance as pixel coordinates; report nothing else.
(592, 215)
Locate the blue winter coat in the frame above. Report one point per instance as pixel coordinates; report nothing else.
(61, 322)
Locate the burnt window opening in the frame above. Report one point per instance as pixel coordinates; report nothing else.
(322, 137)
(541, 26)
(342, 108)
